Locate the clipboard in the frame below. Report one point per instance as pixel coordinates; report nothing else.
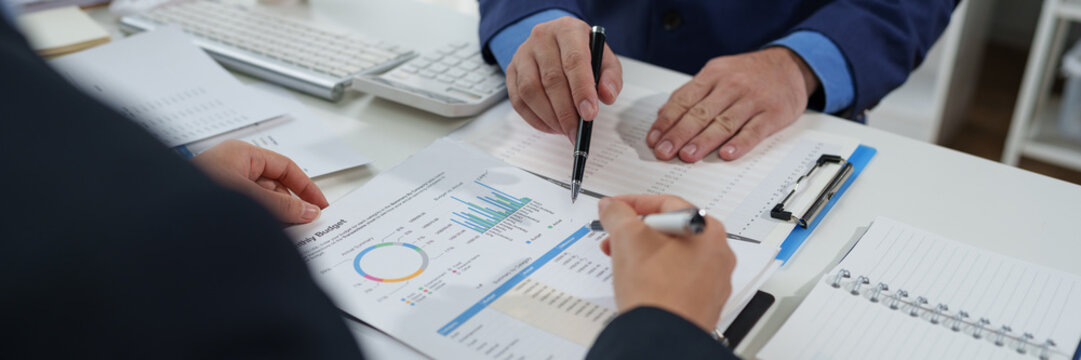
(827, 197)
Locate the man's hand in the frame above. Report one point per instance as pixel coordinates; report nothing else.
(266, 176)
(734, 100)
(688, 276)
(550, 78)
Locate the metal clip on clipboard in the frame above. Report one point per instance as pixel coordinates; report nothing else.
(784, 210)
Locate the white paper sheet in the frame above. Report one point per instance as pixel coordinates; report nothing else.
(167, 85)
(298, 135)
(740, 192)
(835, 324)
(407, 254)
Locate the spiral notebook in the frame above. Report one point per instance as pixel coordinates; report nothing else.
(908, 294)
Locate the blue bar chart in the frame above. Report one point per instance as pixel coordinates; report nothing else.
(488, 210)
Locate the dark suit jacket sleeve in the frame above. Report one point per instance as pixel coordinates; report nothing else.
(115, 247)
(883, 41)
(653, 333)
(498, 14)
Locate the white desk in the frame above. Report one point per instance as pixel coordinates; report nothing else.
(987, 204)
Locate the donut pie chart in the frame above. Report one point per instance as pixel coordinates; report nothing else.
(391, 262)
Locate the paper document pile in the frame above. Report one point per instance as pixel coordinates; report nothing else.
(455, 252)
(177, 92)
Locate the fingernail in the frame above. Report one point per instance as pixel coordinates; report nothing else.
(603, 203)
(611, 87)
(728, 150)
(573, 135)
(310, 212)
(688, 151)
(665, 147)
(584, 109)
(653, 136)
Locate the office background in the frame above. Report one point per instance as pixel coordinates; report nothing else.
(1037, 202)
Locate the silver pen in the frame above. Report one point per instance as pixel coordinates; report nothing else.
(684, 222)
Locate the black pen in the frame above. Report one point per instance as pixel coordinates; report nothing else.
(585, 128)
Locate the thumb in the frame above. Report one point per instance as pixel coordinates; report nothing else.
(288, 208)
(614, 212)
(611, 82)
(621, 222)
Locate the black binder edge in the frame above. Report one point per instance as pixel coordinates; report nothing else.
(748, 318)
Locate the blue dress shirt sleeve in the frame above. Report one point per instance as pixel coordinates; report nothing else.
(829, 65)
(505, 43)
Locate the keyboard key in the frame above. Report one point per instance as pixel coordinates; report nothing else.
(490, 84)
(455, 73)
(450, 61)
(428, 73)
(463, 84)
(474, 78)
(359, 64)
(438, 68)
(469, 65)
(370, 58)
(445, 78)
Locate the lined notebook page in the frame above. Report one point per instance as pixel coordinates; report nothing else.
(1028, 298)
(740, 192)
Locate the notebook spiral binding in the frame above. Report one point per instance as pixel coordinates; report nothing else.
(940, 314)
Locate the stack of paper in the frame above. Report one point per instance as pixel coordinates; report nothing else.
(178, 93)
(165, 83)
(61, 31)
(460, 255)
(298, 135)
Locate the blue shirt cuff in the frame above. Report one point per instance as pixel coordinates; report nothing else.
(829, 65)
(505, 43)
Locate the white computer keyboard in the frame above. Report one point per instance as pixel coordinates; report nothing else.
(282, 50)
(451, 81)
(454, 81)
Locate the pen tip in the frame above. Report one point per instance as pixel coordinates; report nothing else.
(575, 188)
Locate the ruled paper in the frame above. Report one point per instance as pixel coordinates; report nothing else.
(739, 192)
(833, 323)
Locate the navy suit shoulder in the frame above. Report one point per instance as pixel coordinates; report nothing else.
(652, 333)
(881, 41)
(114, 247)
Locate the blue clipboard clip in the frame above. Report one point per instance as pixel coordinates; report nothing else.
(858, 161)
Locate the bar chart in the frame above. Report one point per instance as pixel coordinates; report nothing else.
(488, 210)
